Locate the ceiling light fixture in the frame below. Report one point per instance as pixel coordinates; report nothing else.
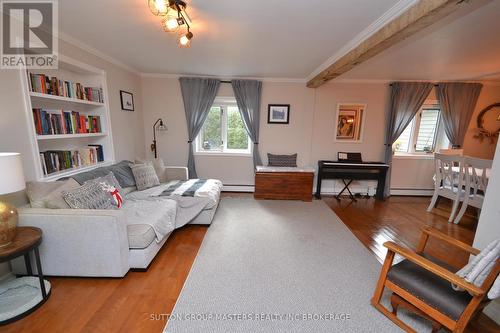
(185, 39)
(158, 7)
(174, 16)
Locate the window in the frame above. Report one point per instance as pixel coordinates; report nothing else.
(421, 135)
(223, 130)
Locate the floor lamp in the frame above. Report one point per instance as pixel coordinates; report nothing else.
(158, 125)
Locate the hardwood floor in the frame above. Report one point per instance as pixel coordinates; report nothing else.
(118, 305)
(400, 219)
(126, 305)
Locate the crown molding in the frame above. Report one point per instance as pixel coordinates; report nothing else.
(400, 7)
(87, 48)
(225, 78)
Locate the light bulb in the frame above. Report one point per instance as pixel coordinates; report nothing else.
(185, 40)
(158, 7)
(170, 23)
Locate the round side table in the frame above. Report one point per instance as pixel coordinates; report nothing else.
(27, 239)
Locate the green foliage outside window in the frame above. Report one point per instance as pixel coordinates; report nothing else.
(212, 136)
(237, 137)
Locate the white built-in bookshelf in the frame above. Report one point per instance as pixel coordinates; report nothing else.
(68, 124)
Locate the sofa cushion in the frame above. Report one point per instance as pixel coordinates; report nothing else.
(127, 190)
(159, 213)
(145, 176)
(123, 173)
(38, 191)
(55, 200)
(140, 236)
(121, 170)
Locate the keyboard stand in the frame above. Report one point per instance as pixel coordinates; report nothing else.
(346, 187)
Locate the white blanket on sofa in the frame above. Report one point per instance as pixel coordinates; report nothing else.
(159, 213)
(188, 207)
(210, 190)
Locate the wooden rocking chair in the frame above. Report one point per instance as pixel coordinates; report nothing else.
(423, 286)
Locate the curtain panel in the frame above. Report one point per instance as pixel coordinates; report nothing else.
(406, 99)
(457, 101)
(198, 95)
(248, 94)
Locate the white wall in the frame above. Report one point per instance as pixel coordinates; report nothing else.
(488, 228)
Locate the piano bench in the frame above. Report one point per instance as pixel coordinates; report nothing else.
(284, 183)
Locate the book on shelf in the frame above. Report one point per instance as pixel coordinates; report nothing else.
(60, 160)
(50, 122)
(44, 84)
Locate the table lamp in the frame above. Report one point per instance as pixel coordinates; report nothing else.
(11, 181)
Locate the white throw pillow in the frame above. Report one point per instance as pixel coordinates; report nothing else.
(145, 176)
(158, 165)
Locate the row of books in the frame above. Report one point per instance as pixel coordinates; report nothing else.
(59, 160)
(65, 122)
(45, 84)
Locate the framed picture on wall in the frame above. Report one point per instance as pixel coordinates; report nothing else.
(349, 122)
(127, 100)
(278, 114)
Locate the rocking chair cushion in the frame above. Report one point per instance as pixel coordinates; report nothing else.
(429, 288)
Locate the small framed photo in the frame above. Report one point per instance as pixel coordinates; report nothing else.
(349, 122)
(127, 100)
(278, 114)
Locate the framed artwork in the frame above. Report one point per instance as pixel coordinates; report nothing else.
(278, 114)
(349, 122)
(127, 100)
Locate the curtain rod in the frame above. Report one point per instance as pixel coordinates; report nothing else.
(225, 81)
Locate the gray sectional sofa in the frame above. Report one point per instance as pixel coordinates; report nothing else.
(108, 243)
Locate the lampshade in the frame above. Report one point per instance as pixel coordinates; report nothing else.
(11, 173)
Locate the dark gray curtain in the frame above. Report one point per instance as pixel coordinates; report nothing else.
(406, 99)
(247, 93)
(457, 101)
(198, 95)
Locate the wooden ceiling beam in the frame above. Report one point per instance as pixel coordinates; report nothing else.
(420, 16)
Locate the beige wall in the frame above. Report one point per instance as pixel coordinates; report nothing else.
(310, 132)
(473, 147)
(127, 127)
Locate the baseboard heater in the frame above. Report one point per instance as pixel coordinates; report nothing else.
(238, 188)
(394, 191)
(424, 192)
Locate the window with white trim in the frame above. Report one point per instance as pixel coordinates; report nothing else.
(223, 131)
(422, 134)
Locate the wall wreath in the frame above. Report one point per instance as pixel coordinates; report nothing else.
(487, 133)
